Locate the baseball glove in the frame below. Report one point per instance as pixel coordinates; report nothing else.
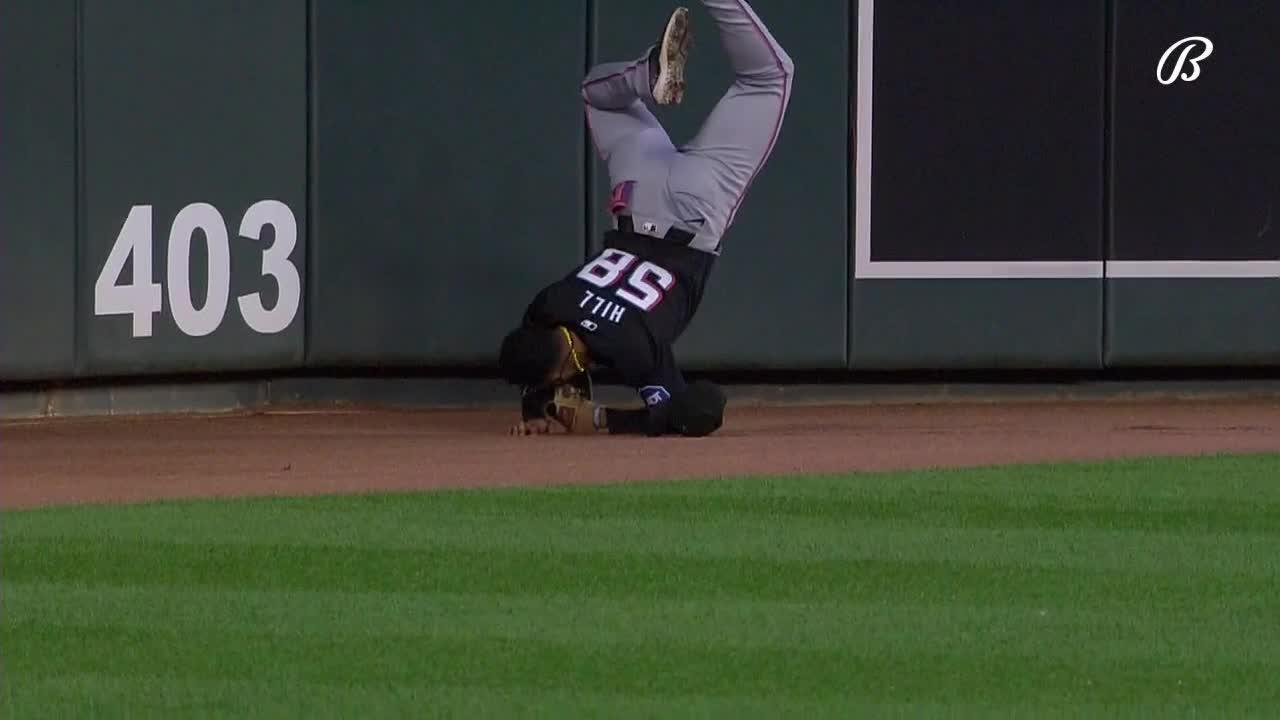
(573, 409)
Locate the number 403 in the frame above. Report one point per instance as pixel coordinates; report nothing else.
(141, 297)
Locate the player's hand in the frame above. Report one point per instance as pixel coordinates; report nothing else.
(573, 410)
(537, 426)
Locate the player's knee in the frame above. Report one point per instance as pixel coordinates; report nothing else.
(786, 64)
(698, 410)
(779, 70)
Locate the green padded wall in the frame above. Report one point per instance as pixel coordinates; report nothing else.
(37, 189)
(977, 324)
(1179, 322)
(448, 174)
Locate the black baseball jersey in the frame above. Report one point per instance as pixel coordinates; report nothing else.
(629, 304)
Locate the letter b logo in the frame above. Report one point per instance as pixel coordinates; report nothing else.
(1187, 51)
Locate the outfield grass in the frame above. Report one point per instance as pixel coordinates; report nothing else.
(1143, 589)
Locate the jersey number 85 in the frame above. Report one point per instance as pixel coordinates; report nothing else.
(645, 286)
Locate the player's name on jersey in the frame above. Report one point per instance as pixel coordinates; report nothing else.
(602, 307)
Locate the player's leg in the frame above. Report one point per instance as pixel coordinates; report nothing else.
(616, 94)
(739, 134)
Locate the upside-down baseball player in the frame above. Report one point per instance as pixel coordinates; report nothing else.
(671, 206)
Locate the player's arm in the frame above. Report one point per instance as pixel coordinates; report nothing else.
(578, 414)
(573, 408)
(654, 418)
(655, 385)
(533, 414)
(694, 411)
(582, 416)
(619, 421)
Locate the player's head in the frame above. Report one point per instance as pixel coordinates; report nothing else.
(533, 356)
(698, 410)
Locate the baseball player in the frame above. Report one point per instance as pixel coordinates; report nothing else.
(670, 208)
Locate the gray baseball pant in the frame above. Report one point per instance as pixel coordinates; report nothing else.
(700, 186)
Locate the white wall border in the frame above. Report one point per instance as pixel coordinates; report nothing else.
(1193, 268)
(866, 268)
(862, 145)
(948, 269)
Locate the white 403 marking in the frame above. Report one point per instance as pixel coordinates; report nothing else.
(140, 298)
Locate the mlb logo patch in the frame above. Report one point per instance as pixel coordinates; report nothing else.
(654, 395)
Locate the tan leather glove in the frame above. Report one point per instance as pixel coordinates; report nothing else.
(573, 410)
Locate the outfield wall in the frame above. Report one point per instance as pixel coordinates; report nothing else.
(271, 185)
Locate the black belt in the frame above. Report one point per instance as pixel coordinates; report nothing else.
(674, 235)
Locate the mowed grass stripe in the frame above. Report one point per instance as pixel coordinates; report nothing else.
(1181, 539)
(923, 508)
(604, 573)
(1217, 552)
(170, 696)
(865, 629)
(922, 673)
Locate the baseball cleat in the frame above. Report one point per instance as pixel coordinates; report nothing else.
(672, 53)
